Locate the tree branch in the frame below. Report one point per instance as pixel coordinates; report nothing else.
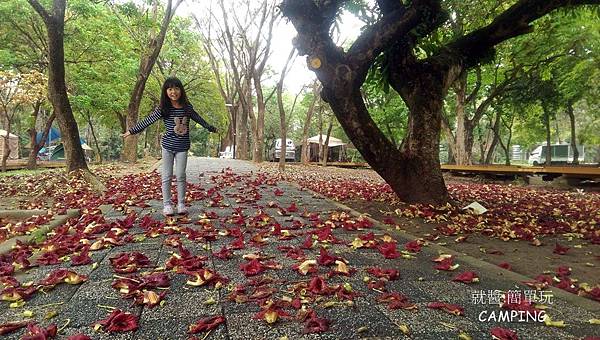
(514, 22)
(40, 10)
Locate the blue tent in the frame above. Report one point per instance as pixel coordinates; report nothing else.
(53, 134)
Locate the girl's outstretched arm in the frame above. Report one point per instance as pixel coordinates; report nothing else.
(149, 120)
(196, 117)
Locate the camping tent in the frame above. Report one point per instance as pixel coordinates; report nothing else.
(336, 152)
(58, 152)
(53, 135)
(13, 145)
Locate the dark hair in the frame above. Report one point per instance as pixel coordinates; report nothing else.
(165, 102)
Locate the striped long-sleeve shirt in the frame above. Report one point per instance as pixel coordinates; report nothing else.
(177, 124)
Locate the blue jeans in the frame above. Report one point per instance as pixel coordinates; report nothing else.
(180, 159)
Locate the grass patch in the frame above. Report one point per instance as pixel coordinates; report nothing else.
(18, 172)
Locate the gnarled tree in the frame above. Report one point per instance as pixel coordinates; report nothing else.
(413, 169)
(57, 87)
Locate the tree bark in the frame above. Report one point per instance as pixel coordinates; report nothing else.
(145, 68)
(304, 157)
(57, 88)
(489, 156)
(326, 143)
(571, 115)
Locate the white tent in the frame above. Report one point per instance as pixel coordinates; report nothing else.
(333, 142)
(13, 144)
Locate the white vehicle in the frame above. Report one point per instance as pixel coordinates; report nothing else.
(561, 153)
(275, 151)
(228, 153)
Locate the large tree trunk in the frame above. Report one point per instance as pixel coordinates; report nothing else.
(258, 149)
(462, 144)
(146, 64)
(489, 155)
(304, 157)
(573, 135)
(57, 89)
(325, 156)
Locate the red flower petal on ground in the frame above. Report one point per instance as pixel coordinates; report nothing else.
(446, 264)
(119, 321)
(36, 332)
(318, 286)
(9, 327)
(237, 244)
(466, 277)
(223, 254)
(448, 307)
(388, 274)
(82, 259)
(48, 258)
(326, 259)
(389, 251)
(563, 271)
(499, 333)
(396, 300)
(505, 265)
(315, 324)
(252, 268)
(308, 242)
(595, 294)
(560, 250)
(62, 275)
(129, 262)
(413, 246)
(206, 324)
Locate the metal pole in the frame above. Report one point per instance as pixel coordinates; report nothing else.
(234, 129)
(233, 111)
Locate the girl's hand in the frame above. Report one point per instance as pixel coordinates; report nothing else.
(126, 134)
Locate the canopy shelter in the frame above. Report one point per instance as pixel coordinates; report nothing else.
(336, 152)
(13, 145)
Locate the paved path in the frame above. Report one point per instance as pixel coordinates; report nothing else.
(82, 305)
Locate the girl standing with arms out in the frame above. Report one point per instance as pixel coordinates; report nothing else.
(175, 110)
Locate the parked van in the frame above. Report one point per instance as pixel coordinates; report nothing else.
(561, 154)
(228, 153)
(275, 150)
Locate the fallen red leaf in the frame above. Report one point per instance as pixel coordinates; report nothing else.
(448, 307)
(389, 251)
(499, 333)
(9, 327)
(119, 321)
(560, 250)
(206, 324)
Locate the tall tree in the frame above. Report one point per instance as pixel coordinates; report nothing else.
(54, 21)
(413, 170)
(147, 62)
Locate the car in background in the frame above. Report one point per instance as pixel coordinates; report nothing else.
(560, 154)
(275, 150)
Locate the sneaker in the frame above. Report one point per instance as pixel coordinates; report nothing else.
(168, 210)
(181, 209)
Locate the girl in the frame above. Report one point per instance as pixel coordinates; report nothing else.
(175, 111)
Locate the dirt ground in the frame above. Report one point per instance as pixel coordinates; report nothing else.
(524, 258)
